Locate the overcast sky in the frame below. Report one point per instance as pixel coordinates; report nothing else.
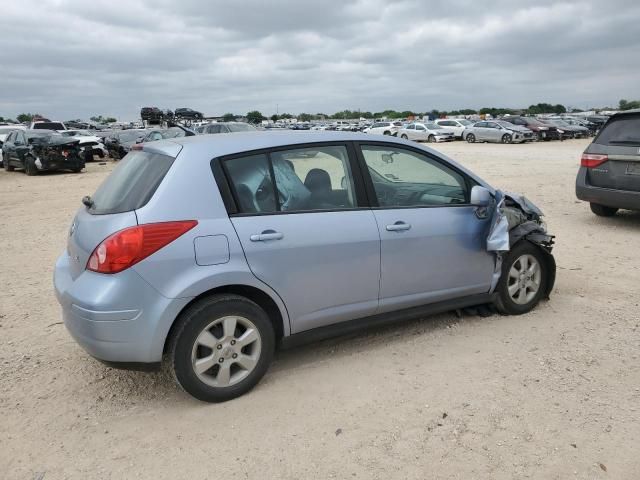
(77, 58)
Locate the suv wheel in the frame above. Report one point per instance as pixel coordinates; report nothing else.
(222, 347)
(471, 138)
(523, 280)
(603, 211)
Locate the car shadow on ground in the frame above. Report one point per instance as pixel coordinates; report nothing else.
(108, 384)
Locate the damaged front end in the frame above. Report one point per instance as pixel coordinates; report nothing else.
(57, 153)
(515, 218)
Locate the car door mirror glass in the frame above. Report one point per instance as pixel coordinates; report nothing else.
(480, 196)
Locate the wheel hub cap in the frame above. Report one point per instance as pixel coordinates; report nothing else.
(524, 279)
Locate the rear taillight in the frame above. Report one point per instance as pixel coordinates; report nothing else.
(131, 245)
(590, 160)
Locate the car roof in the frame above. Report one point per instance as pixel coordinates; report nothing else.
(206, 147)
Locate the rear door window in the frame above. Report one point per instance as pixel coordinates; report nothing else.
(621, 131)
(132, 183)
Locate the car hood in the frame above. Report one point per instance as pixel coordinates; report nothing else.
(54, 140)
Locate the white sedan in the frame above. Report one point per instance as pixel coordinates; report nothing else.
(429, 132)
(456, 125)
(88, 141)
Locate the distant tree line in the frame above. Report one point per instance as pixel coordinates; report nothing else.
(628, 105)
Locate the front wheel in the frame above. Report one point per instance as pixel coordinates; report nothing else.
(30, 166)
(506, 138)
(471, 138)
(431, 139)
(222, 347)
(523, 281)
(404, 136)
(602, 210)
(387, 132)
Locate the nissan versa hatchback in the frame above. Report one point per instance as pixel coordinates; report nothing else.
(210, 251)
(609, 175)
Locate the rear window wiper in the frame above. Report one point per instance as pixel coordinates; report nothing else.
(88, 202)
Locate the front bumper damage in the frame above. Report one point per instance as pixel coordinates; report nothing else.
(515, 218)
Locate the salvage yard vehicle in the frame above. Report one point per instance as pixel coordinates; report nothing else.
(188, 113)
(566, 129)
(384, 128)
(426, 132)
(541, 130)
(90, 144)
(47, 125)
(224, 127)
(215, 249)
(5, 130)
(41, 150)
(118, 144)
(456, 125)
(497, 131)
(609, 174)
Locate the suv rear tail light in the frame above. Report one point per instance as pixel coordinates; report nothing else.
(127, 247)
(590, 160)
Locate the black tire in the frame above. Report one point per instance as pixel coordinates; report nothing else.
(194, 320)
(404, 135)
(30, 166)
(539, 137)
(504, 302)
(386, 132)
(506, 138)
(602, 210)
(431, 138)
(471, 138)
(7, 167)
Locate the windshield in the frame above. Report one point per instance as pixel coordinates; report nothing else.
(240, 127)
(173, 133)
(128, 136)
(506, 124)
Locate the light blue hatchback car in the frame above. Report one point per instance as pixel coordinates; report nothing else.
(213, 250)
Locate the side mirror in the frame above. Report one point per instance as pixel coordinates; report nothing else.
(480, 196)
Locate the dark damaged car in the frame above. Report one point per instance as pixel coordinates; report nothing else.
(41, 150)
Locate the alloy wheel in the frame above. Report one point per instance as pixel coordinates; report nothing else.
(525, 277)
(226, 351)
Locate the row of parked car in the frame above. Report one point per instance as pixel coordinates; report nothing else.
(512, 129)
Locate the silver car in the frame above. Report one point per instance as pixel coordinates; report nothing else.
(426, 132)
(497, 131)
(213, 250)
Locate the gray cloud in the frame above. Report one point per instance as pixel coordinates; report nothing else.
(72, 58)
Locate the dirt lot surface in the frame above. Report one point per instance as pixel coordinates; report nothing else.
(554, 394)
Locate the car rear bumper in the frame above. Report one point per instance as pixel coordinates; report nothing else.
(116, 318)
(605, 196)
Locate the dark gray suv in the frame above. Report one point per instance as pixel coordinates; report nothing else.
(609, 175)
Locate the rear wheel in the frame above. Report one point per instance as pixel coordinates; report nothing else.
(603, 211)
(523, 281)
(222, 347)
(7, 167)
(506, 138)
(471, 138)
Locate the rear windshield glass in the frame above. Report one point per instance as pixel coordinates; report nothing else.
(132, 183)
(48, 126)
(622, 131)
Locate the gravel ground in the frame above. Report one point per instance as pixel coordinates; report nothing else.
(554, 394)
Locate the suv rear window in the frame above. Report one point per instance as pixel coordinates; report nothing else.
(132, 183)
(48, 126)
(624, 130)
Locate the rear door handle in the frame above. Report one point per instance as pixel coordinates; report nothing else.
(266, 236)
(398, 227)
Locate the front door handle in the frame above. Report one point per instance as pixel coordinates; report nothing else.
(398, 227)
(266, 236)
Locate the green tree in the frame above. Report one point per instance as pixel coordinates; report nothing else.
(305, 117)
(229, 117)
(628, 105)
(274, 118)
(255, 116)
(26, 117)
(110, 120)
